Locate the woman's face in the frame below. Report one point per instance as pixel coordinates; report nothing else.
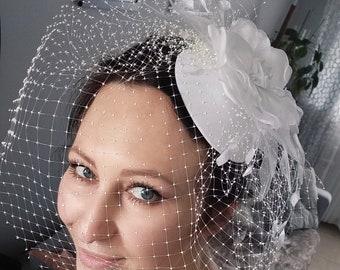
(127, 197)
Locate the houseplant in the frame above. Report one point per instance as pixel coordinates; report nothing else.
(304, 58)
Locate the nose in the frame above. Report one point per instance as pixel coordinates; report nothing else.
(99, 221)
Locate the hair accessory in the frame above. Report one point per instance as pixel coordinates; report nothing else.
(233, 85)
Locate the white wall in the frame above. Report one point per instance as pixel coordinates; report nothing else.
(272, 14)
(317, 9)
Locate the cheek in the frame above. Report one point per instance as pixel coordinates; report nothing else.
(61, 201)
(166, 230)
(65, 199)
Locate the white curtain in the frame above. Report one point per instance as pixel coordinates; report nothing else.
(320, 125)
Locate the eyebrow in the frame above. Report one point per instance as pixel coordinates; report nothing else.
(125, 172)
(145, 173)
(75, 149)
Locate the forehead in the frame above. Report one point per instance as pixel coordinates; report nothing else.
(136, 124)
(120, 109)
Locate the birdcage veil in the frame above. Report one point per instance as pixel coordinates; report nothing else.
(173, 135)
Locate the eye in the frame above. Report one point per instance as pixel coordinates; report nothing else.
(83, 172)
(145, 194)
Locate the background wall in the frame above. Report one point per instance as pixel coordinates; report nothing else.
(23, 23)
(271, 15)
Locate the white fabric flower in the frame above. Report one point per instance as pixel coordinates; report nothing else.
(255, 74)
(238, 90)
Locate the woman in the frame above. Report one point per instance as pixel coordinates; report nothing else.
(139, 191)
(180, 147)
(145, 189)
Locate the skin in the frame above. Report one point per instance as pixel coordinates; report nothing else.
(131, 146)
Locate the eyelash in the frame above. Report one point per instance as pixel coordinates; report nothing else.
(73, 169)
(145, 186)
(73, 166)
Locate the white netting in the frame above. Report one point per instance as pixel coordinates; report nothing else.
(159, 168)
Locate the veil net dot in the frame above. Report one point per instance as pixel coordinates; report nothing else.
(229, 224)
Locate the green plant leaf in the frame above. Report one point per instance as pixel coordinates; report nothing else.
(304, 70)
(308, 85)
(315, 79)
(301, 83)
(315, 83)
(298, 42)
(290, 50)
(292, 34)
(301, 52)
(317, 56)
(305, 42)
(320, 66)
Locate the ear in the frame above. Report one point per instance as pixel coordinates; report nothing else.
(217, 219)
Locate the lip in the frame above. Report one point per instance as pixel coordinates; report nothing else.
(97, 261)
